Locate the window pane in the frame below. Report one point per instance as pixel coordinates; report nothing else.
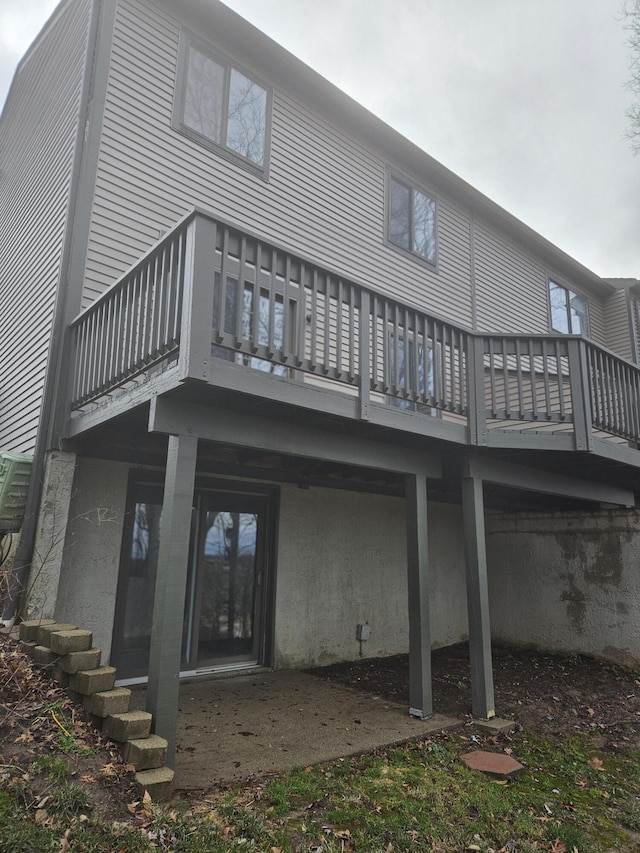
(578, 313)
(424, 210)
(247, 117)
(558, 300)
(204, 95)
(400, 215)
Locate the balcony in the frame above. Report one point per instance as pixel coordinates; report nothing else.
(213, 304)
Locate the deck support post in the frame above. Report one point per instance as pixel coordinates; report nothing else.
(420, 687)
(482, 700)
(171, 583)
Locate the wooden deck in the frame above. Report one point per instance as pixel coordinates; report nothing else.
(214, 304)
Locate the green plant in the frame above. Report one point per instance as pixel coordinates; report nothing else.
(50, 765)
(70, 800)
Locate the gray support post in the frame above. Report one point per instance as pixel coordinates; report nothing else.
(171, 583)
(197, 309)
(482, 701)
(580, 394)
(477, 406)
(420, 687)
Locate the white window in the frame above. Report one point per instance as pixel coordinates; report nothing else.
(221, 106)
(568, 310)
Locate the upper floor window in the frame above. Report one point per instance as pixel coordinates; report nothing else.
(568, 310)
(411, 219)
(221, 106)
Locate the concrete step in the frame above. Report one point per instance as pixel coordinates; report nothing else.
(43, 656)
(44, 632)
(145, 753)
(29, 629)
(105, 703)
(91, 681)
(131, 725)
(77, 661)
(66, 642)
(157, 783)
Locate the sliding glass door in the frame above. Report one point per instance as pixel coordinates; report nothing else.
(224, 610)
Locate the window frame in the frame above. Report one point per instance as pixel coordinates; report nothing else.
(187, 41)
(569, 292)
(413, 187)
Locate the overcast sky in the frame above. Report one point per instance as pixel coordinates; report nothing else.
(524, 99)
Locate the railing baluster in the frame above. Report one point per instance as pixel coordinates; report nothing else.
(327, 324)
(364, 353)
(505, 379)
(545, 379)
(492, 379)
(339, 333)
(352, 331)
(301, 316)
(534, 381)
(559, 372)
(313, 364)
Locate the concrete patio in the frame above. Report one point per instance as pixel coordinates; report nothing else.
(265, 722)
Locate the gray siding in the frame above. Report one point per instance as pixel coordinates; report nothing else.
(37, 141)
(618, 336)
(512, 287)
(325, 195)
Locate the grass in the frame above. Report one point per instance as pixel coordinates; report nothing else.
(570, 797)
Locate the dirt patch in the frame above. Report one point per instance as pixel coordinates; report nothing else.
(44, 736)
(555, 694)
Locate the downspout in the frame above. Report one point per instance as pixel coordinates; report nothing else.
(55, 399)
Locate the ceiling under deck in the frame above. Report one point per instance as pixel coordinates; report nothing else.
(126, 438)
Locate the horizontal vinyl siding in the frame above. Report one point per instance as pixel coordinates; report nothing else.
(511, 286)
(37, 141)
(616, 312)
(325, 196)
(597, 331)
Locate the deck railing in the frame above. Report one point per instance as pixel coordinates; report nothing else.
(210, 290)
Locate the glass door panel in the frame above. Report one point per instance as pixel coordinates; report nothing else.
(136, 587)
(223, 609)
(227, 584)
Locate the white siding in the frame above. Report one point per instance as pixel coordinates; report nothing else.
(37, 141)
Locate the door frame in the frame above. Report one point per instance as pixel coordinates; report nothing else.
(138, 482)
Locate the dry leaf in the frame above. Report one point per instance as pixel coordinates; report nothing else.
(596, 763)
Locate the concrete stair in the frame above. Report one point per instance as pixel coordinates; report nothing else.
(67, 653)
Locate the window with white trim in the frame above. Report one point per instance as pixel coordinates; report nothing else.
(569, 312)
(221, 106)
(411, 219)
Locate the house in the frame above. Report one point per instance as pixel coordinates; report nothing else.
(295, 391)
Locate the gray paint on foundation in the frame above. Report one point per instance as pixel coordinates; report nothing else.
(567, 581)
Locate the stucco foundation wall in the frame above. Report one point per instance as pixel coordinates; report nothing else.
(342, 561)
(567, 581)
(89, 576)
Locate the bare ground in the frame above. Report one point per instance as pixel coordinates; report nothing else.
(554, 694)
